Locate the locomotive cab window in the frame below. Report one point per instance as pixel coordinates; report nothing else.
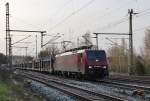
(96, 55)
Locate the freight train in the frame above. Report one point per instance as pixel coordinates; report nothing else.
(79, 63)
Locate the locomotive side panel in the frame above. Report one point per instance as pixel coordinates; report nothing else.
(69, 63)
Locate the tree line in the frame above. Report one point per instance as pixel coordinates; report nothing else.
(118, 57)
(2, 59)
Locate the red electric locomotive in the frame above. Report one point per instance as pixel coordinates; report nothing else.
(88, 63)
(74, 62)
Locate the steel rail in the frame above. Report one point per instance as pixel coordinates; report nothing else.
(90, 95)
(127, 85)
(137, 81)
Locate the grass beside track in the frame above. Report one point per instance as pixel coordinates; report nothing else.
(4, 92)
(12, 90)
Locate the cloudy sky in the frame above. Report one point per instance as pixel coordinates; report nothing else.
(72, 19)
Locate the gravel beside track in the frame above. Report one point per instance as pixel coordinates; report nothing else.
(115, 89)
(80, 93)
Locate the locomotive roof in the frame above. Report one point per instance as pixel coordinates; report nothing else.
(69, 53)
(80, 49)
(74, 52)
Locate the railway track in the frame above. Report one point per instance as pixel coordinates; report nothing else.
(145, 82)
(130, 83)
(133, 79)
(127, 86)
(135, 89)
(81, 93)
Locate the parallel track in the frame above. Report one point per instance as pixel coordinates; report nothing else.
(134, 79)
(127, 86)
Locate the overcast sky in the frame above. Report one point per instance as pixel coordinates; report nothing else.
(72, 19)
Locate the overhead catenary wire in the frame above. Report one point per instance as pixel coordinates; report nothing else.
(114, 23)
(145, 10)
(117, 8)
(143, 28)
(73, 13)
(68, 16)
(109, 12)
(27, 23)
(35, 26)
(53, 39)
(21, 40)
(63, 6)
(38, 27)
(142, 14)
(110, 26)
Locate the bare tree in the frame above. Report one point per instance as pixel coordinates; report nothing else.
(2, 59)
(118, 57)
(147, 51)
(52, 50)
(87, 40)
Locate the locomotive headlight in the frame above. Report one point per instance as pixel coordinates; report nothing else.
(90, 66)
(104, 67)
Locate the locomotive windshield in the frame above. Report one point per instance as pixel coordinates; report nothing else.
(96, 54)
